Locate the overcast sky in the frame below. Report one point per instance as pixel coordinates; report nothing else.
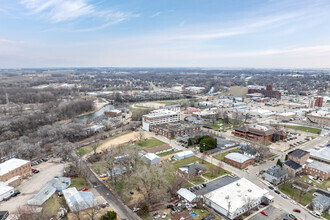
(165, 33)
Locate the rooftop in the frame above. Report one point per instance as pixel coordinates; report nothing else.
(192, 168)
(241, 158)
(160, 113)
(323, 153)
(78, 200)
(151, 156)
(322, 200)
(276, 171)
(185, 193)
(298, 153)
(319, 166)
(235, 194)
(11, 164)
(4, 188)
(292, 164)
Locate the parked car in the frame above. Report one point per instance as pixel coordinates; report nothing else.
(156, 215)
(270, 187)
(164, 215)
(203, 184)
(136, 209)
(292, 217)
(131, 192)
(264, 213)
(170, 206)
(297, 210)
(16, 193)
(293, 202)
(103, 175)
(276, 191)
(315, 214)
(284, 196)
(173, 209)
(84, 189)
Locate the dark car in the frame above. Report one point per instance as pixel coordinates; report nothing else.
(173, 209)
(203, 184)
(16, 193)
(170, 206)
(270, 187)
(276, 191)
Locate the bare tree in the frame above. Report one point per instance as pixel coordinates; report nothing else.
(219, 167)
(140, 136)
(92, 213)
(203, 157)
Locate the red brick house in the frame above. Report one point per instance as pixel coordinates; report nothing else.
(238, 160)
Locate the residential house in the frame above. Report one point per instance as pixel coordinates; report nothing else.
(321, 203)
(192, 169)
(276, 175)
(238, 160)
(301, 186)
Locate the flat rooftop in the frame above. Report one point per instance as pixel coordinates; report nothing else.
(11, 164)
(160, 113)
(234, 194)
(216, 184)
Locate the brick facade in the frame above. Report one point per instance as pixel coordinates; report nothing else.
(21, 172)
(239, 165)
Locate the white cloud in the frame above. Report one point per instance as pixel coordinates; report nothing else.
(57, 11)
(156, 14)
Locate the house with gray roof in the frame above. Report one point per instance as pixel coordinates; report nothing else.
(192, 169)
(276, 175)
(321, 203)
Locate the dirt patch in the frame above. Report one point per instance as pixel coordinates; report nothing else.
(121, 140)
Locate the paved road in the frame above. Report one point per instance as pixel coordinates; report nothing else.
(251, 174)
(116, 204)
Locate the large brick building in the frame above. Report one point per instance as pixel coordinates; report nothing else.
(268, 92)
(259, 133)
(299, 156)
(14, 170)
(174, 130)
(317, 169)
(238, 160)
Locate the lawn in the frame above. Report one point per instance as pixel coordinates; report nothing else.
(208, 165)
(216, 125)
(53, 204)
(100, 167)
(304, 198)
(326, 216)
(304, 128)
(322, 185)
(197, 180)
(222, 155)
(84, 150)
(152, 142)
(168, 153)
(202, 213)
(216, 174)
(79, 183)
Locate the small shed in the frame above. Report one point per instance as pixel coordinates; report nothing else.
(184, 154)
(151, 158)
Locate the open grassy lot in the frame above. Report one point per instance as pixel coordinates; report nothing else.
(208, 165)
(87, 149)
(152, 142)
(197, 180)
(303, 198)
(79, 183)
(202, 213)
(168, 153)
(99, 167)
(326, 216)
(53, 204)
(319, 184)
(222, 155)
(217, 125)
(304, 128)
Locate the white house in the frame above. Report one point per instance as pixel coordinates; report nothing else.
(151, 158)
(159, 116)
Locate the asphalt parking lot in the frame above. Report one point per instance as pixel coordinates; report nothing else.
(273, 214)
(32, 185)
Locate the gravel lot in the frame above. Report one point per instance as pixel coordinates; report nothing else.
(32, 185)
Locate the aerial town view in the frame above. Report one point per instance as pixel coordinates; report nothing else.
(174, 110)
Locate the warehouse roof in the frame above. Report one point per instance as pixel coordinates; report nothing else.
(298, 153)
(240, 158)
(185, 193)
(319, 166)
(11, 164)
(235, 194)
(292, 164)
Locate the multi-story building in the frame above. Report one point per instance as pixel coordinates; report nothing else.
(317, 169)
(276, 175)
(259, 133)
(268, 92)
(160, 116)
(174, 130)
(14, 170)
(318, 119)
(318, 101)
(299, 156)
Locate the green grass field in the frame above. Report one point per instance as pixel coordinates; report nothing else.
(168, 153)
(208, 165)
(304, 128)
(322, 185)
(303, 198)
(79, 183)
(52, 204)
(197, 180)
(152, 142)
(100, 167)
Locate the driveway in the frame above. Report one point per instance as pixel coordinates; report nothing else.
(32, 185)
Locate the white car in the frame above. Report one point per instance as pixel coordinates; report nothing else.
(164, 215)
(103, 175)
(293, 202)
(315, 214)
